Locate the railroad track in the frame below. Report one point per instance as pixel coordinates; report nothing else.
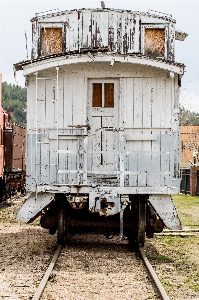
(89, 270)
(45, 279)
(153, 275)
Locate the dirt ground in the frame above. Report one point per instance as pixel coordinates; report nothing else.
(92, 267)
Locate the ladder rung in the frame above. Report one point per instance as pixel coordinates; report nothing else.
(47, 100)
(46, 121)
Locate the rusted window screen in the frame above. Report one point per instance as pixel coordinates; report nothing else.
(109, 95)
(51, 40)
(154, 42)
(97, 95)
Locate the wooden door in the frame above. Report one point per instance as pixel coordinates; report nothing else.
(103, 121)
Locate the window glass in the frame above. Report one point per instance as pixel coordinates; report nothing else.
(109, 95)
(97, 94)
(103, 95)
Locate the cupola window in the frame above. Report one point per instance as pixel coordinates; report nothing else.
(154, 42)
(51, 40)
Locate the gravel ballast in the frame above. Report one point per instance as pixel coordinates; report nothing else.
(90, 267)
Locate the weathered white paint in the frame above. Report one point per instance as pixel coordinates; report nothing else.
(165, 208)
(103, 134)
(119, 190)
(117, 29)
(101, 58)
(131, 148)
(139, 134)
(33, 206)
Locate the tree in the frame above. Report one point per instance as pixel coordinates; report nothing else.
(186, 117)
(14, 99)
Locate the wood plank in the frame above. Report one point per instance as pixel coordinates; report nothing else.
(138, 103)
(53, 161)
(128, 102)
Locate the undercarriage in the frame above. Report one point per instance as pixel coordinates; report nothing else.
(135, 219)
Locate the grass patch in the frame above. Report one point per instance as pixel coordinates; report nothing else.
(176, 261)
(161, 258)
(188, 209)
(176, 258)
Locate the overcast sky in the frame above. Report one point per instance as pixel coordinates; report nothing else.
(15, 18)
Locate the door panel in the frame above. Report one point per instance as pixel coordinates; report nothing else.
(103, 121)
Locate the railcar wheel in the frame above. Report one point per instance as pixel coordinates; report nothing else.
(141, 223)
(138, 207)
(62, 221)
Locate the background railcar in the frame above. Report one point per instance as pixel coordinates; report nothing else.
(102, 122)
(12, 154)
(15, 158)
(1, 145)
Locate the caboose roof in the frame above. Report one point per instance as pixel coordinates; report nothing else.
(53, 13)
(44, 62)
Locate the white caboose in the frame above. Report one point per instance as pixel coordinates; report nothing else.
(102, 122)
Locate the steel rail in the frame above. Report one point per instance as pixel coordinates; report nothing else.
(149, 267)
(154, 276)
(44, 280)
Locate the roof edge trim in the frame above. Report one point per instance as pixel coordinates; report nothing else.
(32, 67)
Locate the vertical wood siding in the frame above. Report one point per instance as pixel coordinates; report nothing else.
(148, 107)
(141, 130)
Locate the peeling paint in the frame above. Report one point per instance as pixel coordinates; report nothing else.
(119, 30)
(102, 110)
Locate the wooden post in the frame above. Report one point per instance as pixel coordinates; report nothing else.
(193, 180)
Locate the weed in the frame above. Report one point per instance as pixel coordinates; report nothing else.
(160, 257)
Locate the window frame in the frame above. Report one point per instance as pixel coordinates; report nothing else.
(50, 25)
(103, 82)
(155, 26)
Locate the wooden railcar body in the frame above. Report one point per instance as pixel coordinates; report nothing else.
(102, 112)
(12, 153)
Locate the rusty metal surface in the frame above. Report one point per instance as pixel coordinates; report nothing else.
(44, 280)
(154, 276)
